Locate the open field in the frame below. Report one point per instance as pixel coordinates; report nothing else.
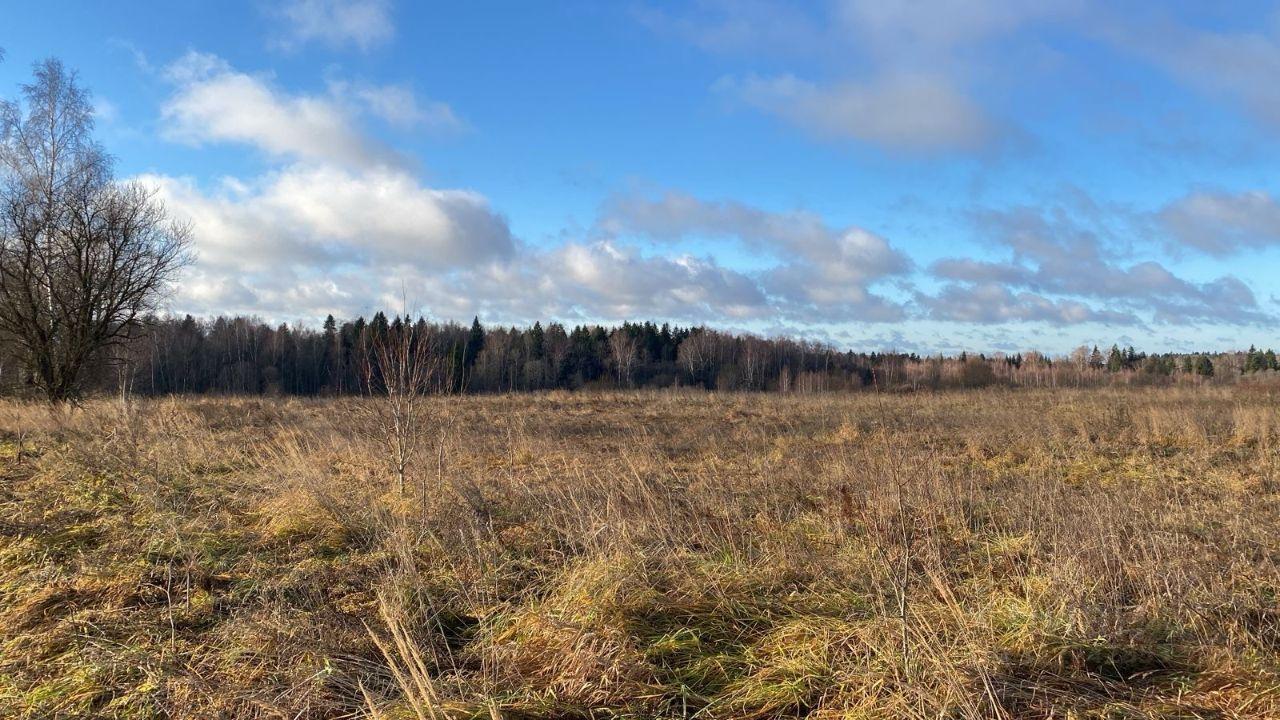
(1019, 554)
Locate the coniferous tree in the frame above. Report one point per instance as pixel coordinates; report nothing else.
(379, 325)
(1255, 360)
(1095, 359)
(475, 343)
(1203, 366)
(1115, 360)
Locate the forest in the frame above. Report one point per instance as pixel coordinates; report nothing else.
(243, 355)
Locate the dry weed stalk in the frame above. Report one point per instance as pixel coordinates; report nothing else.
(407, 667)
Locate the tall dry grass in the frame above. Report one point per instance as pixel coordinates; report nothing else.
(997, 554)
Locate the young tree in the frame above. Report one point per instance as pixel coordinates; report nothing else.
(397, 372)
(83, 258)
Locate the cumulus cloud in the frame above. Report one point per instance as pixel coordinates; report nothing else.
(787, 235)
(306, 240)
(215, 103)
(324, 215)
(822, 273)
(333, 231)
(584, 281)
(337, 222)
(336, 23)
(1221, 223)
(1060, 262)
(614, 281)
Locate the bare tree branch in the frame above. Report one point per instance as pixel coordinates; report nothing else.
(83, 258)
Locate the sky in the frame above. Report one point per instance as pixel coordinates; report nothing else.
(927, 176)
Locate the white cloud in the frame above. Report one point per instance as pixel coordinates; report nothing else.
(786, 235)
(398, 105)
(323, 216)
(1221, 223)
(335, 229)
(617, 282)
(337, 23)
(1062, 259)
(215, 103)
(822, 273)
(307, 241)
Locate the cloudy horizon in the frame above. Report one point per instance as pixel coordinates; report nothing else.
(933, 176)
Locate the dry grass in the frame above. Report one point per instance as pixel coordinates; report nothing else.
(1032, 554)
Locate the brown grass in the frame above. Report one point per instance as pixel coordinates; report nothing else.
(1029, 554)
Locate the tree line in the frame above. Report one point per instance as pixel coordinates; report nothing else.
(242, 355)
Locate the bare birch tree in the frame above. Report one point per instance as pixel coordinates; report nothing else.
(398, 369)
(623, 346)
(83, 258)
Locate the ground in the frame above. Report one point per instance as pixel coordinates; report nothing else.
(993, 554)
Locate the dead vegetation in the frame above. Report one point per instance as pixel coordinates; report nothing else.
(999, 554)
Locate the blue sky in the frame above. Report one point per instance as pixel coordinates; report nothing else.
(933, 176)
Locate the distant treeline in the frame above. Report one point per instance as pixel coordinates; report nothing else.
(245, 355)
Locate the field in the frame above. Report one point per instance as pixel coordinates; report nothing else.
(988, 554)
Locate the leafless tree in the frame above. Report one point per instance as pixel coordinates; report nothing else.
(83, 258)
(696, 351)
(623, 345)
(397, 370)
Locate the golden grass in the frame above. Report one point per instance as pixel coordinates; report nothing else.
(995, 554)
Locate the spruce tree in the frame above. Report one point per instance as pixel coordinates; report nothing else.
(535, 341)
(1115, 360)
(475, 343)
(1095, 359)
(378, 326)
